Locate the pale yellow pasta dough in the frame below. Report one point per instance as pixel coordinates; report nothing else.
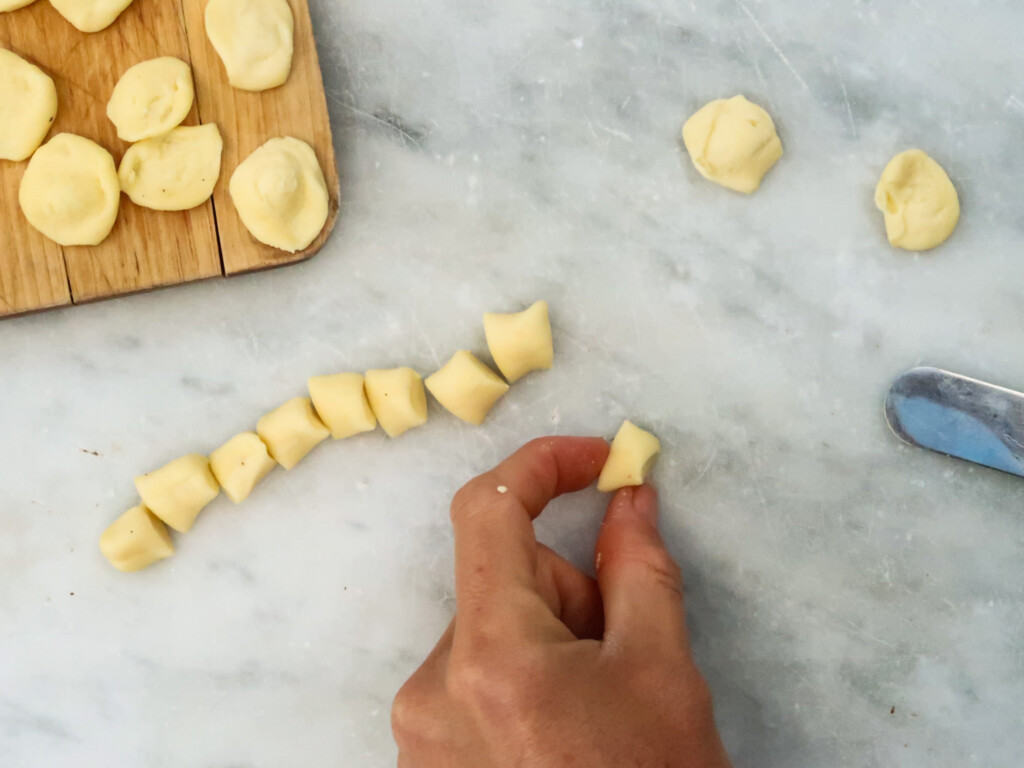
(90, 15)
(70, 191)
(291, 431)
(397, 398)
(13, 5)
(151, 98)
(178, 491)
(340, 400)
(919, 201)
(632, 454)
(28, 106)
(280, 194)
(732, 142)
(253, 39)
(240, 464)
(136, 539)
(466, 387)
(520, 342)
(173, 172)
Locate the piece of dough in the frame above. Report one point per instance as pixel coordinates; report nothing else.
(466, 387)
(136, 539)
(340, 400)
(173, 172)
(28, 106)
(291, 431)
(240, 464)
(151, 98)
(397, 398)
(254, 40)
(178, 491)
(90, 15)
(13, 5)
(280, 194)
(70, 191)
(919, 201)
(520, 342)
(632, 454)
(732, 142)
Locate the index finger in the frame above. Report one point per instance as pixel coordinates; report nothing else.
(495, 548)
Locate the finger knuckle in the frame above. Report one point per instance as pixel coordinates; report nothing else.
(406, 714)
(496, 686)
(663, 570)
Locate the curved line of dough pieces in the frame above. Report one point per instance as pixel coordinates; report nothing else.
(90, 15)
(254, 39)
(70, 191)
(23, 129)
(918, 200)
(151, 98)
(13, 5)
(173, 172)
(280, 194)
(732, 142)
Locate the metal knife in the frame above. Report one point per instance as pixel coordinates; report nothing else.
(959, 416)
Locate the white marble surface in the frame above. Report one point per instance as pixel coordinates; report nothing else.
(853, 602)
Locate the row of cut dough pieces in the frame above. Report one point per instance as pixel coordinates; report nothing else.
(343, 405)
(733, 142)
(253, 38)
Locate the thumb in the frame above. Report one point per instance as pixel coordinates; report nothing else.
(641, 585)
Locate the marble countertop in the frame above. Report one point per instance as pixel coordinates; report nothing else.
(854, 602)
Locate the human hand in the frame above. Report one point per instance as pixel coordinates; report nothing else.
(543, 666)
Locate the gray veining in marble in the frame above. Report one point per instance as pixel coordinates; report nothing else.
(853, 601)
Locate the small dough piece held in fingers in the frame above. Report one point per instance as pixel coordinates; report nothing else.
(240, 464)
(90, 15)
(70, 191)
(397, 398)
(732, 142)
(151, 98)
(520, 342)
(178, 491)
(280, 194)
(136, 539)
(340, 401)
(632, 454)
(28, 106)
(173, 172)
(919, 201)
(254, 39)
(466, 387)
(291, 431)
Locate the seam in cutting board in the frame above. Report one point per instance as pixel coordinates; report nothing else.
(199, 115)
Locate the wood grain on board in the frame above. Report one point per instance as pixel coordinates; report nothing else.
(149, 249)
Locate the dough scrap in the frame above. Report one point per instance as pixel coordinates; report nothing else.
(70, 191)
(178, 491)
(254, 39)
(397, 398)
(240, 464)
(466, 387)
(920, 203)
(280, 194)
(632, 454)
(732, 142)
(13, 5)
(28, 106)
(520, 342)
(151, 98)
(90, 15)
(173, 172)
(136, 539)
(340, 400)
(291, 431)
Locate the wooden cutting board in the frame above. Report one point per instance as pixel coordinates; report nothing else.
(151, 249)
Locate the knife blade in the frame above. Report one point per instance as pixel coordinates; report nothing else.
(958, 416)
